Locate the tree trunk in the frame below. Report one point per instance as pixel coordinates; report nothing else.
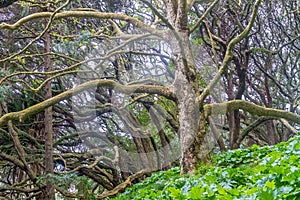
(193, 125)
(50, 194)
(216, 134)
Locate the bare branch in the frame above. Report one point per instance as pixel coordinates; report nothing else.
(52, 16)
(228, 54)
(163, 19)
(212, 5)
(287, 125)
(251, 127)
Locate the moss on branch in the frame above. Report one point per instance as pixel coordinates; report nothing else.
(223, 108)
(126, 89)
(125, 184)
(80, 14)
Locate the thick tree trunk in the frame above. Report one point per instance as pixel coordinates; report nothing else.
(194, 148)
(192, 129)
(189, 116)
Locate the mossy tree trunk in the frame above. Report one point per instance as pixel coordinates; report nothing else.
(193, 125)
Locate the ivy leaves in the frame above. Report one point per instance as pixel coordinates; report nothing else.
(255, 173)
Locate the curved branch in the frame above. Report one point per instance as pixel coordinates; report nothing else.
(229, 54)
(12, 159)
(124, 185)
(80, 14)
(52, 16)
(212, 5)
(251, 127)
(223, 108)
(163, 19)
(110, 84)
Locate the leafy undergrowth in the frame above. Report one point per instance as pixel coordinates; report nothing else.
(264, 173)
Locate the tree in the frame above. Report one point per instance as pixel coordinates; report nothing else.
(127, 77)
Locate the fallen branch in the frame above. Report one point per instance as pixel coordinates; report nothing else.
(124, 185)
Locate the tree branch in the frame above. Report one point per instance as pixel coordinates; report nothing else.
(251, 127)
(123, 185)
(228, 54)
(288, 126)
(52, 16)
(163, 19)
(212, 5)
(80, 14)
(110, 84)
(223, 108)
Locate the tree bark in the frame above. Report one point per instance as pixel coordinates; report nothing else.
(50, 194)
(193, 125)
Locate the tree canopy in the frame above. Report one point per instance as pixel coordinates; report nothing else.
(105, 92)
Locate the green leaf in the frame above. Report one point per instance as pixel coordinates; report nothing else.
(271, 184)
(196, 192)
(266, 195)
(176, 193)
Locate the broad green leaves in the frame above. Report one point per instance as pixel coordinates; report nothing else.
(255, 173)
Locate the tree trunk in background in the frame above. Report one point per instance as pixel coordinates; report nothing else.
(271, 130)
(48, 126)
(231, 115)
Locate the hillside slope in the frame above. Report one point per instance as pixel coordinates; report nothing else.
(255, 173)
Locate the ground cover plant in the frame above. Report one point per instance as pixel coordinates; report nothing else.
(270, 172)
